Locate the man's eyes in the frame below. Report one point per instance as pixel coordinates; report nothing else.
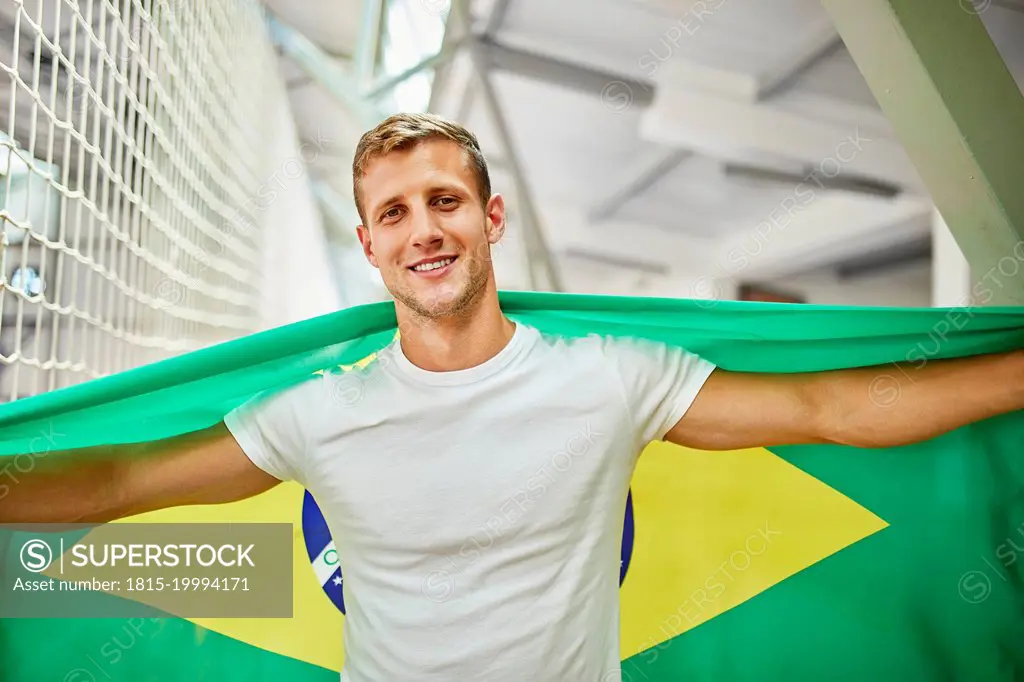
(396, 211)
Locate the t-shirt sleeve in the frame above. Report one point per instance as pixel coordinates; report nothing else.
(660, 382)
(273, 428)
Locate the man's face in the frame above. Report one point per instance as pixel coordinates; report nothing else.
(426, 230)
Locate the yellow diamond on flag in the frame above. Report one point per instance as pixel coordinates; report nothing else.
(713, 529)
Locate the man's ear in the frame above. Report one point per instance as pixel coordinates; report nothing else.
(363, 233)
(495, 214)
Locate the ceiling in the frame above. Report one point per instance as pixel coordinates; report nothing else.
(667, 141)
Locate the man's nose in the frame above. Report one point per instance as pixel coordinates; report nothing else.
(426, 228)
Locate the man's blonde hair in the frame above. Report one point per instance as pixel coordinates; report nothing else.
(405, 131)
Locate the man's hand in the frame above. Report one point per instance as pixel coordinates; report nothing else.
(880, 406)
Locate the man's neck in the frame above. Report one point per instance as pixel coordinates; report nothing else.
(457, 342)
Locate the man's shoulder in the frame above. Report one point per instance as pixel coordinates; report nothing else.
(347, 385)
(604, 354)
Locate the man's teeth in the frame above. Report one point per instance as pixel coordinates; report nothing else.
(433, 266)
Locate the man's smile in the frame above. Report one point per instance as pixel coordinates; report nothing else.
(435, 267)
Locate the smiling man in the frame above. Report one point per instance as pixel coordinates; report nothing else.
(429, 222)
(476, 490)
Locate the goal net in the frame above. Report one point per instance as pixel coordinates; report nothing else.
(132, 138)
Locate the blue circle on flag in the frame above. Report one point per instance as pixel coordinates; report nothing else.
(324, 558)
(321, 552)
(627, 538)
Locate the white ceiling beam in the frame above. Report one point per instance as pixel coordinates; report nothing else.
(728, 128)
(681, 74)
(623, 241)
(810, 229)
(569, 75)
(336, 78)
(637, 179)
(805, 50)
(454, 88)
(370, 30)
(455, 95)
(495, 17)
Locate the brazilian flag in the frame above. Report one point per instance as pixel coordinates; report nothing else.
(785, 564)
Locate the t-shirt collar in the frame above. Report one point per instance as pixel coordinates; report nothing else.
(457, 377)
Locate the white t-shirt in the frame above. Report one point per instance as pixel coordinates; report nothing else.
(478, 513)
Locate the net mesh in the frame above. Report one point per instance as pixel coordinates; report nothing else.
(131, 138)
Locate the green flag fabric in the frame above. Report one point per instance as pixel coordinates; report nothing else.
(896, 564)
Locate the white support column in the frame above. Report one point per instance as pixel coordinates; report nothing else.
(297, 280)
(958, 114)
(540, 264)
(951, 273)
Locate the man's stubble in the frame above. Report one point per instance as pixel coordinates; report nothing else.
(479, 271)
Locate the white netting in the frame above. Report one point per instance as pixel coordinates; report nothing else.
(132, 138)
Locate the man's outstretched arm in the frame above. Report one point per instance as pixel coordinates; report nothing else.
(881, 406)
(104, 483)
